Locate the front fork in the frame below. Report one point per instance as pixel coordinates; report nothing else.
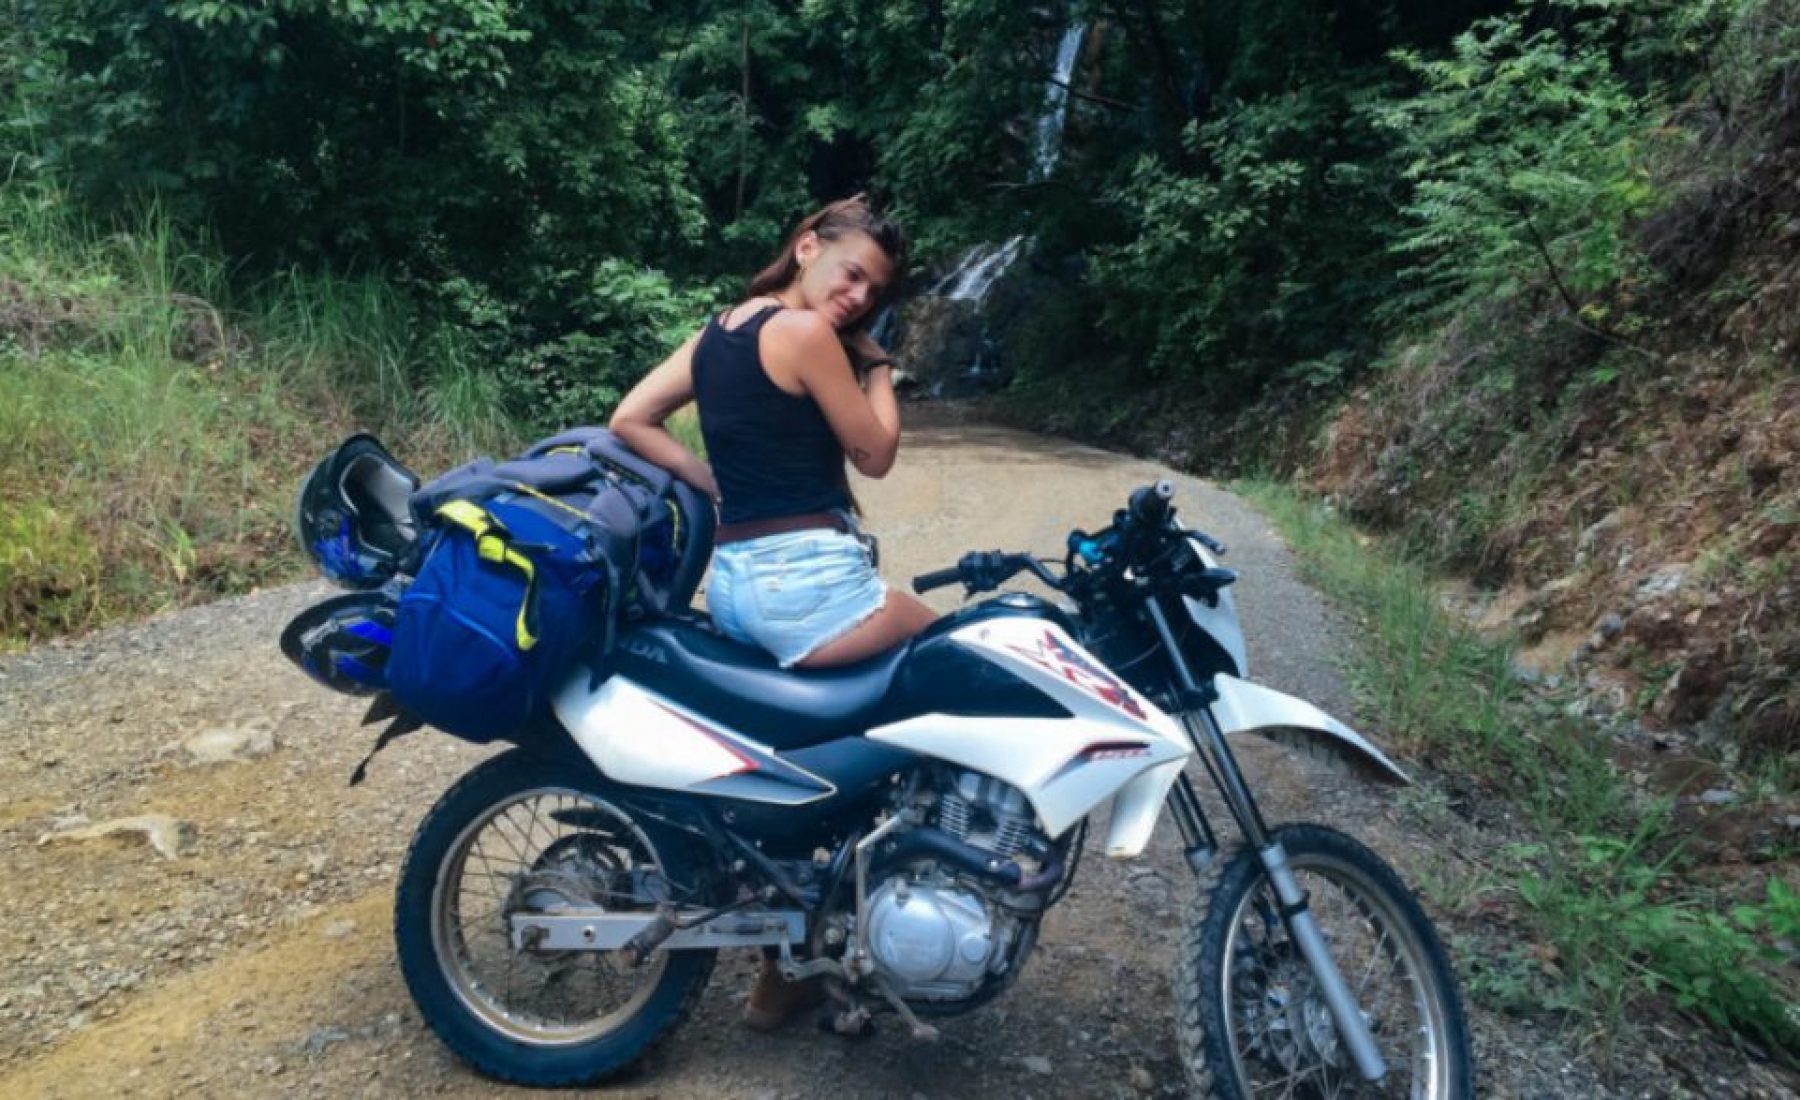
(1199, 844)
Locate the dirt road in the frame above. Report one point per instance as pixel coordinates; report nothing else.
(259, 960)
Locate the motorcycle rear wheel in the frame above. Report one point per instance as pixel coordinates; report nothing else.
(1250, 1021)
(513, 834)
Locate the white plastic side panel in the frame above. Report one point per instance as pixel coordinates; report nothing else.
(635, 737)
(1244, 707)
(1043, 656)
(1136, 810)
(1065, 766)
(1050, 759)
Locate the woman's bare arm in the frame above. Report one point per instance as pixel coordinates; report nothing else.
(802, 345)
(639, 418)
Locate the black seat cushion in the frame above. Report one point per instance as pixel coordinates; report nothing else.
(743, 689)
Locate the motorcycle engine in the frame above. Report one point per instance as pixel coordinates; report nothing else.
(932, 942)
(938, 936)
(987, 813)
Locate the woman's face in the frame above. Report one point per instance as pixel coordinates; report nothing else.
(841, 278)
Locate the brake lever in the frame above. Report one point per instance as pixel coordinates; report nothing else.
(1207, 541)
(1206, 585)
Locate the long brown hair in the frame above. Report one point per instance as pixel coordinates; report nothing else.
(851, 215)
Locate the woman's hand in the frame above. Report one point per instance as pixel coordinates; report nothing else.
(863, 350)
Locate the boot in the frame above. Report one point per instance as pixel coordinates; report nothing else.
(774, 1000)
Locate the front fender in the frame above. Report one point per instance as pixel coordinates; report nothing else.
(1244, 707)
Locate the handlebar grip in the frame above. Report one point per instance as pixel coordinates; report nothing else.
(1150, 504)
(937, 578)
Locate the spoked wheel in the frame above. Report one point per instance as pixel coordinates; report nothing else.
(1251, 1019)
(516, 836)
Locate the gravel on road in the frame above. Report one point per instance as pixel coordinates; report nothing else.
(249, 953)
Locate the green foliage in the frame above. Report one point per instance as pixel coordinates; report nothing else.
(568, 356)
(1622, 922)
(1525, 149)
(1231, 272)
(1255, 214)
(154, 433)
(554, 177)
(1251, 195)
(1740, 50)
(465, 133)
(47, 570)
(1299, 193)
(1624, 926)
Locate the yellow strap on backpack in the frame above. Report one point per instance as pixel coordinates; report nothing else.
(490, 545)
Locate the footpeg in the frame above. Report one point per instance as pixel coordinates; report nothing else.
(853, 1022)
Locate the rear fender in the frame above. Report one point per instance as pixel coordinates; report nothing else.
(1244, 707)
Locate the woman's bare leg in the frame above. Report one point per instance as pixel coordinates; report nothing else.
(900, 618)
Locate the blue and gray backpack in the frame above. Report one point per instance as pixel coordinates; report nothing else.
(523, 569)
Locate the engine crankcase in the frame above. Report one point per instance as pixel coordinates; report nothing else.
(932, 943)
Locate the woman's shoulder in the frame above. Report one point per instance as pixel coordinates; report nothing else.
(803, 329)
(797, 343)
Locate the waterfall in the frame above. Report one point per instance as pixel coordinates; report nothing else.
(1047, 149)
(978, 269)
(956, 351)
(881, 329)
(980, 266)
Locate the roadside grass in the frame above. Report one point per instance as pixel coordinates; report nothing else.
(155, 419)
(1602, 915)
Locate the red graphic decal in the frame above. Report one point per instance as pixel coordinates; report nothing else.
(1066, 661)
(745, 763)
(1115, 750)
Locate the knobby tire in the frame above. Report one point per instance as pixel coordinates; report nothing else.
(1210, 1029)
(521, 1058)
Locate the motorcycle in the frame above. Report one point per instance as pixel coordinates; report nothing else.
(900, 828)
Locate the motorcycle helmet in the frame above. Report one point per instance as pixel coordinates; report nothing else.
(344, 642)
(352, 517)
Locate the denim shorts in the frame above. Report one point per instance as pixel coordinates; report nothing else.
(794, 592)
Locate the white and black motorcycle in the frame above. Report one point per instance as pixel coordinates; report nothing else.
(900, 828)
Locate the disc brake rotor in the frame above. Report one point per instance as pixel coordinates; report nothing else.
(1281, 1003)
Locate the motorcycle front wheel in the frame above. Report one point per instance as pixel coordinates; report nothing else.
(1250, 1018)
(514, 835)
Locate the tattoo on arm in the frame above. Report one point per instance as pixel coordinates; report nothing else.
(859, 456)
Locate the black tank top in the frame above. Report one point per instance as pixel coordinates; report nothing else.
(773, 453)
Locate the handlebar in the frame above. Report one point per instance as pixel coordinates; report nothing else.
(1141, 533)
(984, 570)
(937, 578)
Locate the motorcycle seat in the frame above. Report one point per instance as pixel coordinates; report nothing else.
(743, 689)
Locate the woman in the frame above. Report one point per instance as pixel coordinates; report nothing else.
(781, 409)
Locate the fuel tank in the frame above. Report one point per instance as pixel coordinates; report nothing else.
(940, 676)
